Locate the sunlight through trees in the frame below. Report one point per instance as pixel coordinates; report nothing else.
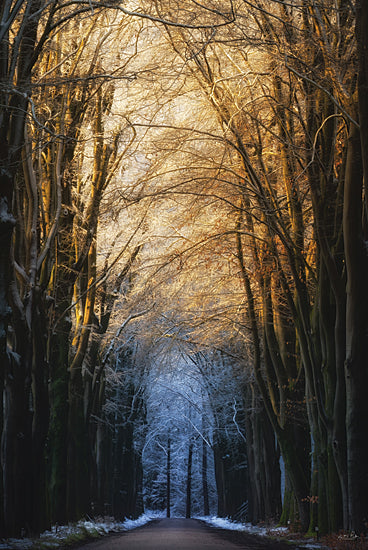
(183, 261)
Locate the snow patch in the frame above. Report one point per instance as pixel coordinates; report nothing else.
(225, 523)
(22, 544)
(56, 537)
(142, 520)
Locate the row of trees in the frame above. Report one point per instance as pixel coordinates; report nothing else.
(236, 134)
(193, 435)
(57, 163)
(67, 450)
(286, 84)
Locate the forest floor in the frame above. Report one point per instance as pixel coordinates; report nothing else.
(259, 537)
(254, 537)
(68, 536)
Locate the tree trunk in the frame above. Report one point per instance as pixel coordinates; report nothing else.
(59, 358)
(356, 371)
(40, 425)
(206, 505)
(78, 452)
(188, 509)
(17, 456)
(168, 479)
(218, 454)
(58, 431)
(6, 230)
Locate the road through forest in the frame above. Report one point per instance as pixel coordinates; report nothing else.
(183, 534)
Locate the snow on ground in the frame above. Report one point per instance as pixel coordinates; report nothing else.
(59, 535)
(224, 523)
(143, 519)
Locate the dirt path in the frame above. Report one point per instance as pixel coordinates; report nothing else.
(183, 534)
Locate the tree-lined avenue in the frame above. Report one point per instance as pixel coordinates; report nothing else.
(184, 263)
(181, 534)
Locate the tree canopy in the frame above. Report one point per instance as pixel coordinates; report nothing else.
(183, 260)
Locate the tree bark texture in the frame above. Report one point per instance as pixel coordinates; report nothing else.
(356, 371)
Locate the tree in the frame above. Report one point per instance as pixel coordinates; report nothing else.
(244, 176)
(305, 97)
(43, 267)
